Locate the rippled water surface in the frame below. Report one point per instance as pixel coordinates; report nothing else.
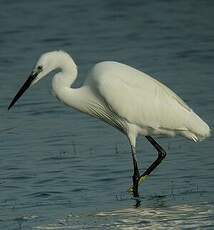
(60, 169)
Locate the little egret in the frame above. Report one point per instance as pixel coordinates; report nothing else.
(125, 98)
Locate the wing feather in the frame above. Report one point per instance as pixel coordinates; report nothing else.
(138, 98)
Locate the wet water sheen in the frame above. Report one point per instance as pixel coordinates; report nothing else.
(60, 169)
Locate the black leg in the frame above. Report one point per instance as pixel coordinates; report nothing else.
(161, 156)
(136, 175)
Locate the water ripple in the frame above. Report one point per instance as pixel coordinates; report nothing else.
(175, 217)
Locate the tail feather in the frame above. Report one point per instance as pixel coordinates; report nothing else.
(197, 128)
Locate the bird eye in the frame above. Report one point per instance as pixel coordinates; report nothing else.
(39, 68)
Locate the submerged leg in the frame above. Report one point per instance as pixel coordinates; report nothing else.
(161, 156)
(136, 175)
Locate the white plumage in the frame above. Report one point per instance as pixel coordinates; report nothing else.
(144, 105)
(122, 96)
(125, 98)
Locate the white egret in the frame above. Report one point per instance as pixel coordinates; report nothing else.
(125, 98)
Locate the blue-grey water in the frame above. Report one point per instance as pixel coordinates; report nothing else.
(60, 169)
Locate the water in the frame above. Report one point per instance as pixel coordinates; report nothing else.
(63, 170)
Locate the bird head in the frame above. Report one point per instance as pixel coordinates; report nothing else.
(45, 64)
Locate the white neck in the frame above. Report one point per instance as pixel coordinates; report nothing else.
(68, 67)
(63, 80)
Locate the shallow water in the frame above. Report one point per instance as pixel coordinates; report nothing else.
(63, 170)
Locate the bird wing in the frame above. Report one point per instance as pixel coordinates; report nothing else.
(138, 98)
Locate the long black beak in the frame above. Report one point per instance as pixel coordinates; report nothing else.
(26, 85)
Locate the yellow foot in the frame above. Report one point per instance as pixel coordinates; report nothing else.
(142, 179)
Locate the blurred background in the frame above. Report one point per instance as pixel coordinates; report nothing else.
(61, 169)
